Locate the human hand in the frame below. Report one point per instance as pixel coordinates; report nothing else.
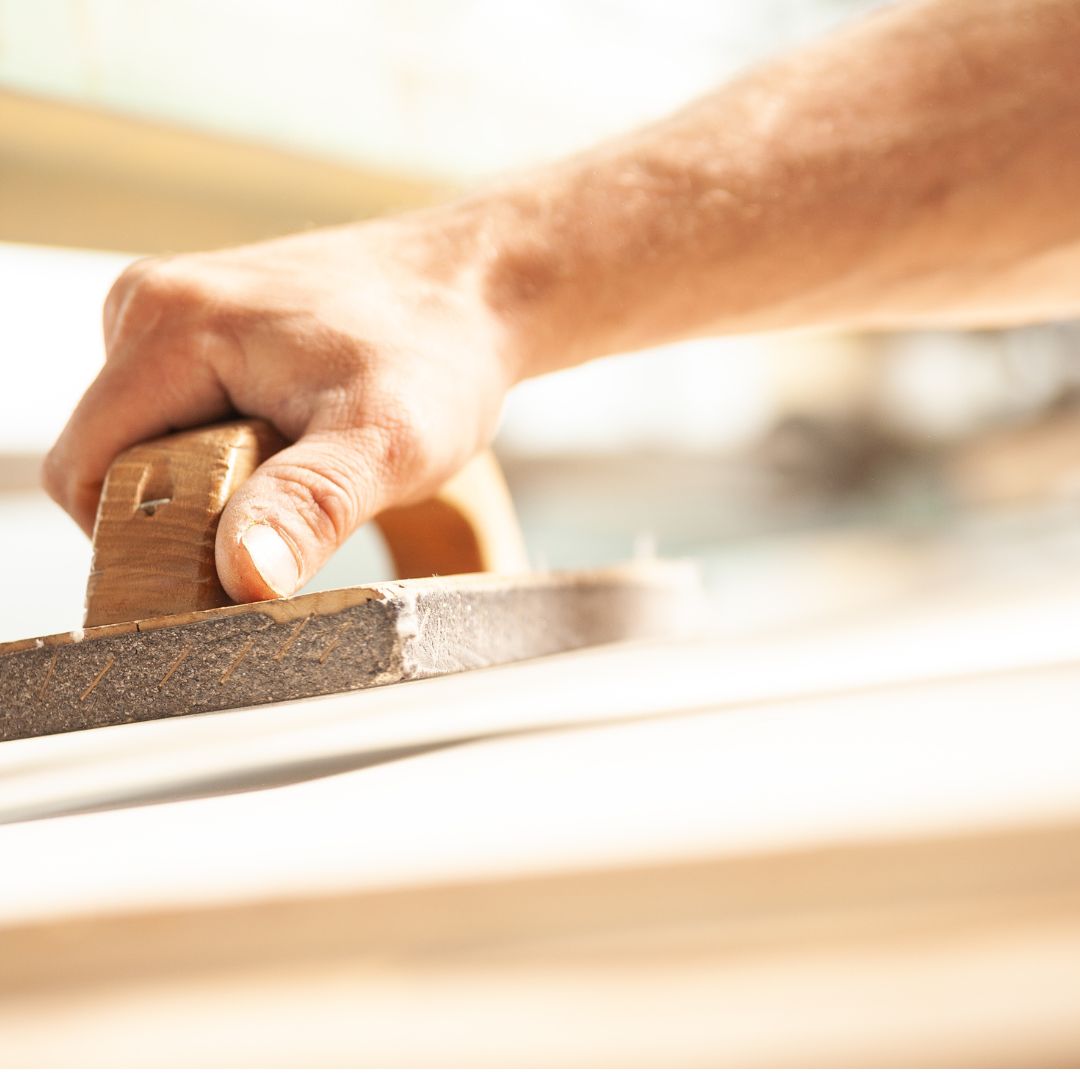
(371, 347)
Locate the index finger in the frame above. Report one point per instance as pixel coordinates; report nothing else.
(151, 392)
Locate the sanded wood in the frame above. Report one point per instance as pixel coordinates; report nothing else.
(797, 884)
(869, 923)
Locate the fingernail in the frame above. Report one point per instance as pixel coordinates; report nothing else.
(272, 558)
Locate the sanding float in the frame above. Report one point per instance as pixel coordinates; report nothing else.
(161, 637)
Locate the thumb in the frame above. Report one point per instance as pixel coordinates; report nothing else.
(296, 510)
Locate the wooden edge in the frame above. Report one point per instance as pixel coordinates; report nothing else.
(740, 901)
(679, 574)
(86, 177)
(331, 642)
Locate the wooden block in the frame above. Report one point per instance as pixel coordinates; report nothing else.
(323, 643)
(158, 517)
(162, 500)
(163, 639)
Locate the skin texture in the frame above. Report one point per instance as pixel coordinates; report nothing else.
(919, 168)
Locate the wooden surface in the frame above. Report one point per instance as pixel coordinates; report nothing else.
(854, 845)
(469, 526)
(328, 642)
(77, 177)
(163, 638)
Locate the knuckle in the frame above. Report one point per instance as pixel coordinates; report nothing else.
(326, 496)
(149, 291)
(164, 282)
(401, 443)
(128, 284)
(137, 271)
(130, 277)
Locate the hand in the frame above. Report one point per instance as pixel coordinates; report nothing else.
(371, 347)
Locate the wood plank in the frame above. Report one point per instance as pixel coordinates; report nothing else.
(799, 882)
(854, 955)
(845, 845)
(76, 177)
(622, 755)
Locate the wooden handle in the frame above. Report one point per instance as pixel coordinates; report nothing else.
(160, 505)
(468, 526)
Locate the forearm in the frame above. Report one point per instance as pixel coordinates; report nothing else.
(923, 166)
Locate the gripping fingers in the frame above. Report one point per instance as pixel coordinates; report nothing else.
(297, 509)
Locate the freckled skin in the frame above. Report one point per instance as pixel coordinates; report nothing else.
(919, 168)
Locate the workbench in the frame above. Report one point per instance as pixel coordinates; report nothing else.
(851, 844)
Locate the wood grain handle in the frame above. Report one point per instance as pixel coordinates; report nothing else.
(161, 501)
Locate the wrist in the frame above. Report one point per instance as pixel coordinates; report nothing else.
(508, 256)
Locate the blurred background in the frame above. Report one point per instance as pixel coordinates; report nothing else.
(813, 476)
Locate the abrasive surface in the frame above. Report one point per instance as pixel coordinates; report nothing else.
(246, 659)
(330, 642)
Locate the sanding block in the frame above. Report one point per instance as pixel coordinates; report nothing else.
(161, 637)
